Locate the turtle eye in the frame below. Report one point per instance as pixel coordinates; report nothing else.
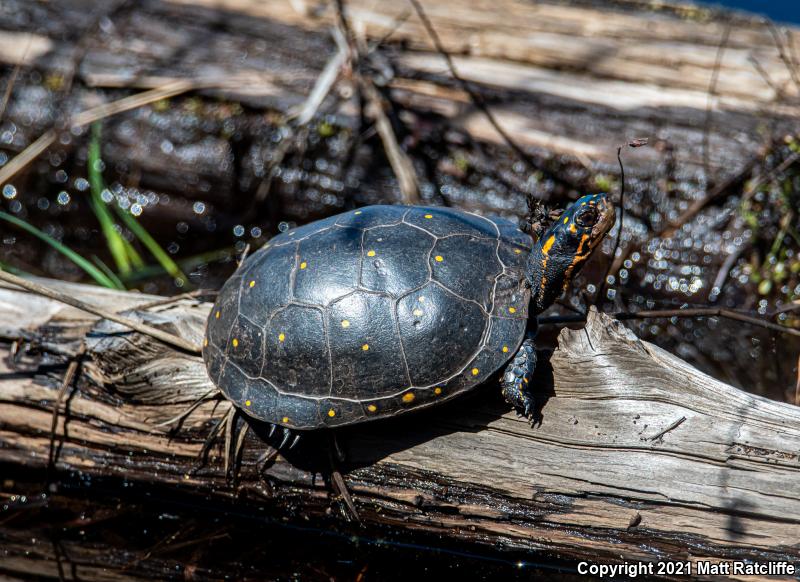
(586, 216)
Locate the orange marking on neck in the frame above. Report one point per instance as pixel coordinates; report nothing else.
(584, 238)
(548, 244)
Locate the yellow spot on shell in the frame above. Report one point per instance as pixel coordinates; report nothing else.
(357, 212)
(422, 299)
(371, 254)
(408, 397)
(216, 315)
(247, 403)
(303, 265)
(205, 342)
(517, 252)
(365, 347)
(475, 371)
(331, 413)
(252, 284)
(512, 309)
(572, 228)
(345, 323)
(437, 391)
(525, 380)
(566, 219)
(439, 258)
(235, 343)
(372, 408)
(505, 349)
(281, 337)
(285, 419)
(429, 216)
(417, 312)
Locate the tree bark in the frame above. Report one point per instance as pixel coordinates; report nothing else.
(637, 456)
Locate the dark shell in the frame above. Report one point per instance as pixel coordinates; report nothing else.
(368, 314)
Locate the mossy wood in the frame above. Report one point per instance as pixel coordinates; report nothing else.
(638, 455)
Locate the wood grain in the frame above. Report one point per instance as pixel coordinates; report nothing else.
(608, 453)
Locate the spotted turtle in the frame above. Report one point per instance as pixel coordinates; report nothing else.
(387, 309)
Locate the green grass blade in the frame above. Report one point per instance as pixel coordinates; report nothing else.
(186, 264)
(107, 270)
(116, 243)
(136, 259)
(88, 267)
(124, 254)
(160, 255)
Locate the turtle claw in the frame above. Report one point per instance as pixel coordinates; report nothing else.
(286, 435)
(272, 429)
(294, 441)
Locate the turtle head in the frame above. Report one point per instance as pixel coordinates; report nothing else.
(566, 246)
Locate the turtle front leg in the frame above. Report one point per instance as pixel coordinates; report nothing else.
(515, 384)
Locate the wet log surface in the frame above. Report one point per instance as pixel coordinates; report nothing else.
(637, 455)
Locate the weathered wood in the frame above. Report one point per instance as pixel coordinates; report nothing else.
(637, 456)
(562, 80)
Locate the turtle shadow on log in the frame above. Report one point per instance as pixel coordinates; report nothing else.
(366, 444)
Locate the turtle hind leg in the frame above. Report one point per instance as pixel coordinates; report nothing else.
(515, 384)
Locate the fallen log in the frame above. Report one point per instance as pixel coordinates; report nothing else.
(570, 82)
(637, 455)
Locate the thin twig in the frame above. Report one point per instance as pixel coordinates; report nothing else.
(323, 85)
(230, 425)
(297, 120)
(599, 297)
(478, 101)
(672, 426)
(401, 163)
(793, 306)
(614, 264)
(12, 80)
(398, 159)
(698, 205)
(237, 451)
(65, 384)
(153, 332)
(191, 408)
(338, 480)
(93, 114)
(779, 92)
(722, 275)
(782, 53)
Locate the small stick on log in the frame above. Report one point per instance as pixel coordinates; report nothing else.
(401, 164)
(671, 427)
(161, 335)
